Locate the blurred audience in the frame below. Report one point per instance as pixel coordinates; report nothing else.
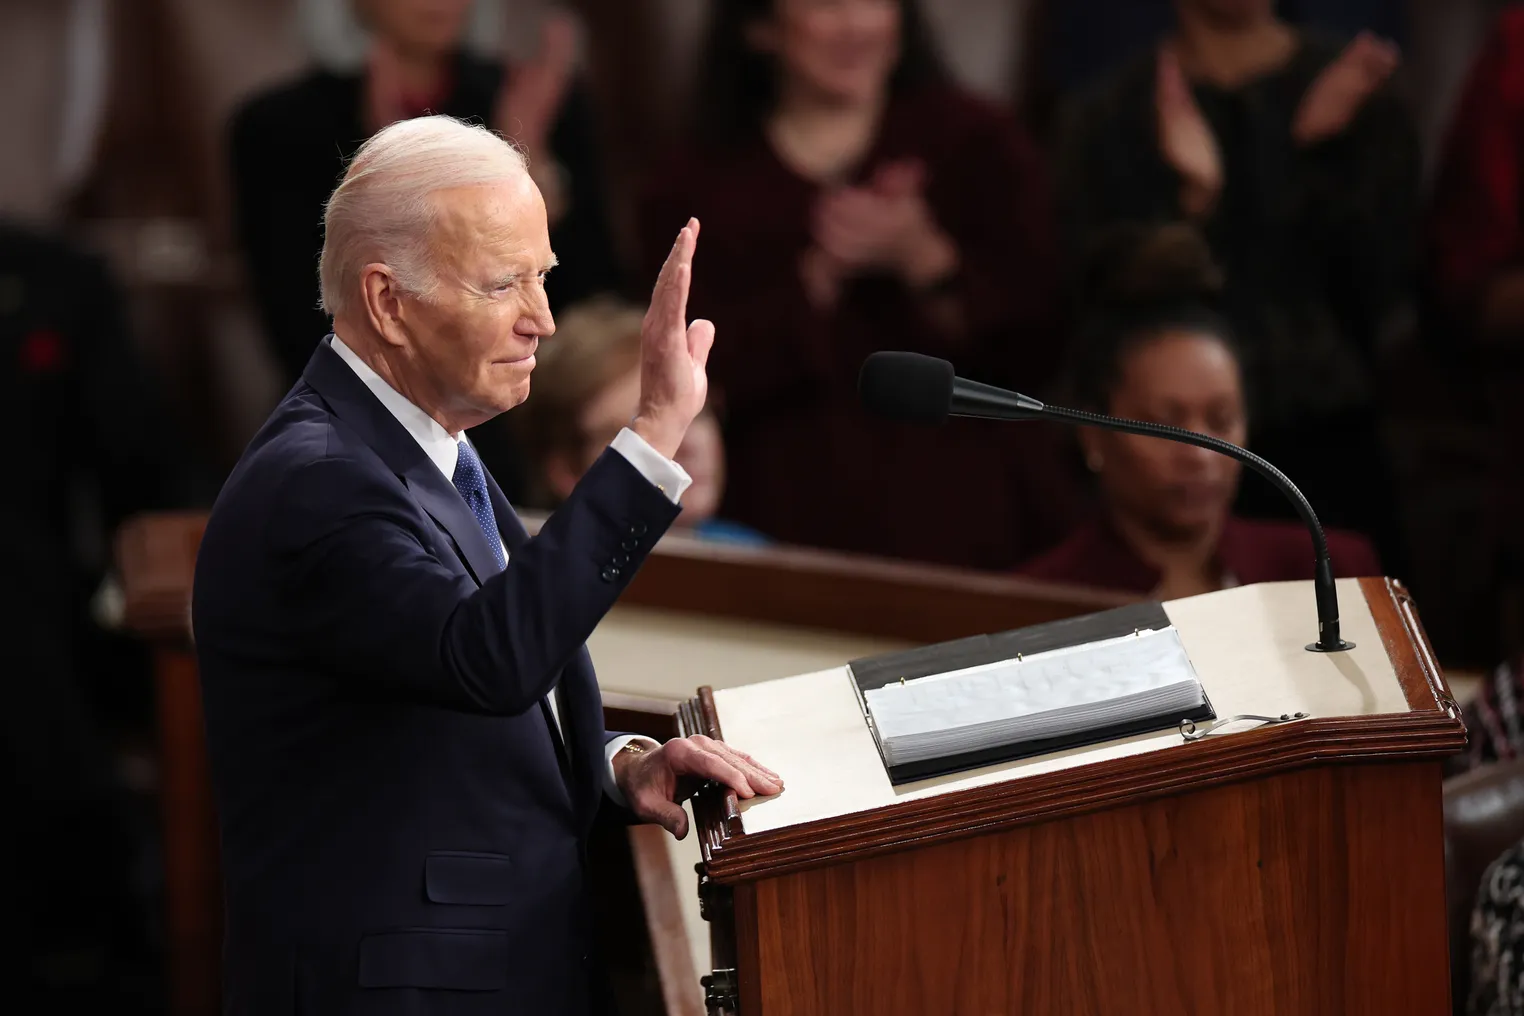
(1475, 260)
(1301, 168)
(853, 200)
(92, 449)
(586, 389)
(289, 145)
(1157, 350)
(1091, 38)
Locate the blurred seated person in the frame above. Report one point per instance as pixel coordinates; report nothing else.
(586, 390)
(854, 200)
(1475, 257)
(1299, 165)
(89, 447)
(290, 144)
(1157, 351)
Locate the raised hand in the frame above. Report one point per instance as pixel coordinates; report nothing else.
(673, 353)
(1185, 139)
(654, 783)
(531, 95)
(1337, 94)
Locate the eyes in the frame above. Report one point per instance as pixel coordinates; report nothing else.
(511, 282)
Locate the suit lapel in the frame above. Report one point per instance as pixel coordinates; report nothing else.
(443, 502)
(353, 403)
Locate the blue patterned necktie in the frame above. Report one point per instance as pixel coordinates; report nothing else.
(471, 480)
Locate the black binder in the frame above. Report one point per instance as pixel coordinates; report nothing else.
(876, 671)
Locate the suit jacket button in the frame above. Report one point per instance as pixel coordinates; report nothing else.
(631, 545)
(637, 529)
(621, 560)
(609, 574)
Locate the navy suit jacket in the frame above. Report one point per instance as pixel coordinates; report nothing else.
(402, 828)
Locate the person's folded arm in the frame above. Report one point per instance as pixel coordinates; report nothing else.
(371, 598)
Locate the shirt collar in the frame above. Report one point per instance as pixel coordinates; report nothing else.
(437, 443)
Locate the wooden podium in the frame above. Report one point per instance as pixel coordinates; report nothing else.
(1290, 868)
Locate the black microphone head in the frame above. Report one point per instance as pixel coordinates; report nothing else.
(908, 387)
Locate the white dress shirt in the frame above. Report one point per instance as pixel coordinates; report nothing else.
(443, 449)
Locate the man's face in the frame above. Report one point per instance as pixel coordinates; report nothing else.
(472, 341)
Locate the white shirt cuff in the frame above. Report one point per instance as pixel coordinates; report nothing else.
(611, 749)
(665, 475)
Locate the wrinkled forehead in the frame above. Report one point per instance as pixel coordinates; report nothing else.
(490, 227)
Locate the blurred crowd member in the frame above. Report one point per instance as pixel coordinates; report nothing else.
(852, 200)
(290, 145)
(88, 449)
(1475, 240)
(1158, 351)
(1301, 168)
(586, 389)
(1088, 39)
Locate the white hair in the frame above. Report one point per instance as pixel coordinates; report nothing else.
(382, 211)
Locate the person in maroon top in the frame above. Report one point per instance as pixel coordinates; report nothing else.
(853, 200)
(1160, 353)
(1475, 257)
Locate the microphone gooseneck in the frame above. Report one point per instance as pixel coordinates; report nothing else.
(914, 388)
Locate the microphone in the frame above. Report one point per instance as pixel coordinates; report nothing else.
(914, 388)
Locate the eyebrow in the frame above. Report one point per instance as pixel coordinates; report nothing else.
(507, 277)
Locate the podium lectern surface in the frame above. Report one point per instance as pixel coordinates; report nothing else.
(1246, 645)
(1292, 868)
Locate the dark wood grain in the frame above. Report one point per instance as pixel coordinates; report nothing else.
(1407, 645)
(1309, 892)
(193, 880)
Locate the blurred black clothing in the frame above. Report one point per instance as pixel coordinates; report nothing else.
(87, 447)
(289, 147)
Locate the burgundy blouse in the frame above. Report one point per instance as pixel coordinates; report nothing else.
(1248, 551)
(806, 464)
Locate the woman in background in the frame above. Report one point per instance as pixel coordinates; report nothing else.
(853, 200)
(1300, 166)
(1158, 351)
(587, 389)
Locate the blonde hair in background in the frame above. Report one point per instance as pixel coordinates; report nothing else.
(383, 210)
(596, 342)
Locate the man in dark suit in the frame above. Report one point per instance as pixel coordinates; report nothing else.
(406, 735)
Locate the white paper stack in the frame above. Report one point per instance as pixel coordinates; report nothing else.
(1060, 693)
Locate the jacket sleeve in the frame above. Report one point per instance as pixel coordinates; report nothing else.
(369, 598)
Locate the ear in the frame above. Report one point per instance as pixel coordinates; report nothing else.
(560, 477)
(383, 302)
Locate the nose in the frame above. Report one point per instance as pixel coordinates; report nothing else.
(536, 319)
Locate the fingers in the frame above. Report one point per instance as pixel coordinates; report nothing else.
(670, 816)
(699, 760)
(760, 779)
(700, 341)
(669, 298)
